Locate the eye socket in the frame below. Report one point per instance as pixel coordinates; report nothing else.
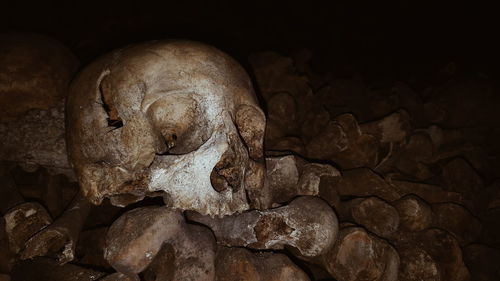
(180, 122)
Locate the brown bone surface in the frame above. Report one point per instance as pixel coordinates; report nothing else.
(307, 224)
(137, 237)
(62, 235)
(190, 256)
(174, 116)
(358, 255)
(23, 221)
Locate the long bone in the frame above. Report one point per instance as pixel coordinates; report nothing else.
(307, 224)
(136, 238)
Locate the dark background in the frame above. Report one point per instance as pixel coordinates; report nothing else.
(410, 40)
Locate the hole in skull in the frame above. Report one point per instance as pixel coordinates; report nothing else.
(113, 119)
(170, 140)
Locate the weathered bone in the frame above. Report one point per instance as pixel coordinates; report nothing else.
(458, 221)
(23, 221)
(241, 264)
(20, 229)
(343, 142)
(364, 182)
(374, 214)
(409, 157)
(358, 255)
(392, 128)
(290, 176)
(431, 254)
(416, 264)
(62, 235)
(173, 116)
(191, 256)
(414, 213)
(445, 250)
(307, 224)
(163, 265)
(136, 238)
(428, 192)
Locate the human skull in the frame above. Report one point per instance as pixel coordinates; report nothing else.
(176, 117)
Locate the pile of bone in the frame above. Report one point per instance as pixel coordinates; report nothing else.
(360, 184)
(418, 171)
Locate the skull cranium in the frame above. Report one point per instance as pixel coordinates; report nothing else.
(177, 117)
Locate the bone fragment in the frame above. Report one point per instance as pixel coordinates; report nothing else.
(392, 128)
(290, 176)
(191, 256)
(23, 221)
(62, 235)
(374, 214)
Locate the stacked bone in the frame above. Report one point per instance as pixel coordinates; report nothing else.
(405, 203)
(41, 241)
(417, 169)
